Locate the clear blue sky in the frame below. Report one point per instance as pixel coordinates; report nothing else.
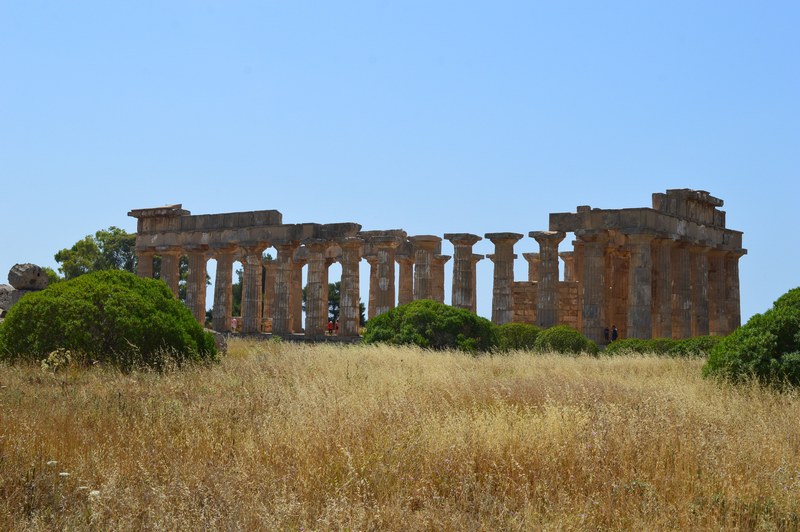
(428, 116)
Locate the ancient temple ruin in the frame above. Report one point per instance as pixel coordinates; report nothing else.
(668, 271)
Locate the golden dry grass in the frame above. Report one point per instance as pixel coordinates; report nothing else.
(283, 436)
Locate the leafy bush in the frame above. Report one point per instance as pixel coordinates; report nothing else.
(766, 348)
(564, 339)
(689, 347)
(108, 316)
(433, 325)
(518, 336)
(699, 346)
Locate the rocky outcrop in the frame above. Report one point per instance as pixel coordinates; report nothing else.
(27, 277)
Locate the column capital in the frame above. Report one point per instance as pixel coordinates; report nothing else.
(430, 242)
(462, 239)
(504, 237)
(638, 239)
(350, 242)
(543, 237)
(404, 259)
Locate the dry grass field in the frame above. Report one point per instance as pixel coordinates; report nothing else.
(283, 436)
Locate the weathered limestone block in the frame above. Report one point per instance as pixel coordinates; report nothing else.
(6, 292)
(525, 294)
(27, 277)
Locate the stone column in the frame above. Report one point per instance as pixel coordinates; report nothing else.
(547, 300)
(385, 249)
(251, 287)
(144, 264)
(284, 275)
(425, 246)
(640, 286)
(437, 275)
(317, 288)
(717, 304)
(732, 289)
(662, 291)
(533, 266)
(170, 269)
(569, 265)
(196, 285)
(681, 292)
(577, 247)
(463, 295)
(349, 311)
(223, 298)
(593, 291)
(372, 260)
(502, 290)
(698, 271)
(405, 291)
(296, 297)
(270, 267)
(476, 258)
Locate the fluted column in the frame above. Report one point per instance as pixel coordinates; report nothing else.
(593, 290)
(196, 285)
(405, 289)
(296, 297)
(547, 300)
(732, 290)
(284, 275)
(372, 260)
(717, 307)
(463, 295)
(385, 249)
(533, 266)
(317, 288)
(476, 258)
(349, 311)
(170, 269)
(662, 293)
(640, 286)
(251, 287)
(437, 275)
(681, 292)
(223, 297)
(699, 277)
(270, 267)
(502, 290)
(569, 265)
(425, 246)
(144, 264)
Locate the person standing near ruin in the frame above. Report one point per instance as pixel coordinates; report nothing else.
(614, 333)
(605, 335)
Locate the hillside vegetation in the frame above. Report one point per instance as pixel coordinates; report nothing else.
(283, 436)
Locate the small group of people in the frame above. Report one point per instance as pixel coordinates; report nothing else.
(333, 327)
(613, 334)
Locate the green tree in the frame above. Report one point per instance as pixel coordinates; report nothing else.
(108, 249)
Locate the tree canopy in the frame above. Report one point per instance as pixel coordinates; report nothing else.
(108, 249)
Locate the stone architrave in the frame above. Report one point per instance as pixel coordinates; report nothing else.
(547, 300)
(317, 288)
(569, 265)
(681, 292)
(27, 277)
(717, 304)
(698, 271)
(144, 264)
(503, 287)
(349, 311)
(223, 297)
(593, 290)
(251, 286)
(284, 277)
(170, 268)
(463, 295)
(533, 266)
(437, 274)
(662, 288)
(732, 289)
(640, 286)
(385, 248)
(425, 247)
(196, 283)
(405, 288)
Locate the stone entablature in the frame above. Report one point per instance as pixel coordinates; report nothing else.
(666, 271)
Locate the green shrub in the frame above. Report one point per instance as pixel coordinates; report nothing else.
(766, 348)
(699, 346)
(637, 346)
(564, 339)
(689, 347)
(520, 336)
(108, 316)
(433, 325)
